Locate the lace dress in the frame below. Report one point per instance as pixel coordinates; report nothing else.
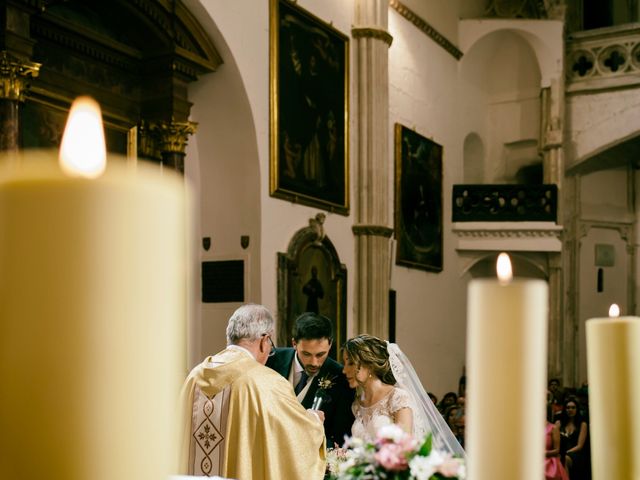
(369, 419)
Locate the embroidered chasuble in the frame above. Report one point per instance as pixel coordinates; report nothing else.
(242, 420)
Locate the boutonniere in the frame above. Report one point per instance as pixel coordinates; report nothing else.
(326, 382)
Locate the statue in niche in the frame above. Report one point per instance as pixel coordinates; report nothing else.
(314, 291)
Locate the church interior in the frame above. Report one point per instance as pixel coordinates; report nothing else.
(433, 135)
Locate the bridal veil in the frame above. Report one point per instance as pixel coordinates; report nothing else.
(426, 417)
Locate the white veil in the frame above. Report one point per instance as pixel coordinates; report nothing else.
(426, 417)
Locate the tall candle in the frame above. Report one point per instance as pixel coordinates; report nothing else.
(92, 319)
(506, 377)
(613, 361)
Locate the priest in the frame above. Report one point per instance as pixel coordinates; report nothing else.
(241, 419)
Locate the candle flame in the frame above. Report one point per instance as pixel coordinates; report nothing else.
(83, 151)
(503, 267)
(614, 310)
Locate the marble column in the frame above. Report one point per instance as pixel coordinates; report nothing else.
(371, 228)
(14, 78)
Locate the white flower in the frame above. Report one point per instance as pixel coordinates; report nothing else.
(421, 468)
(391, 432)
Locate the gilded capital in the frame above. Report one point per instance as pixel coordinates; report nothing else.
(14, 75)
(172, 136)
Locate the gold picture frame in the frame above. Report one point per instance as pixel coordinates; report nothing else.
(309, 109)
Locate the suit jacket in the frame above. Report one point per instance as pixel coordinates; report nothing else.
(338, 416)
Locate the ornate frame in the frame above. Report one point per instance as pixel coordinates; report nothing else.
(310, 247)
(309, 122)
(418, 200)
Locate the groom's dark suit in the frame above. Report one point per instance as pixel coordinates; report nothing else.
(338, 416)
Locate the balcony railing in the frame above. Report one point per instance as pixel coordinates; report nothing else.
(504, 203)
(603, 58)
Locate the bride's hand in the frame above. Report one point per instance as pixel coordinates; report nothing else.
(319, 414)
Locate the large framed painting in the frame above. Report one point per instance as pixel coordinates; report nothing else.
(418, 200)
(309, 109)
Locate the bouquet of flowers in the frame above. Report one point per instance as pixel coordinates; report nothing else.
(395, 455)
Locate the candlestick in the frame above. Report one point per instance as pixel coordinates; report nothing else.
(506, 375)
(613, 363)
(92, 319)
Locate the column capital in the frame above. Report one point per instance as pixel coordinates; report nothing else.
(158, 137)
(372, 230)
(372, 32)
(14, 74)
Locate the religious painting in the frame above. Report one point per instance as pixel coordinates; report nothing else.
(418, 200)
(309, 115)
(311, 279)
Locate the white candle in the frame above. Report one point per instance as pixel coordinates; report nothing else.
(613, 361)
(92, 319)
(506, 384)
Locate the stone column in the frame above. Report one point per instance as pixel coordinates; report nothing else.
(165, 142)
(551, 136)
(14, 78)
(371, 228)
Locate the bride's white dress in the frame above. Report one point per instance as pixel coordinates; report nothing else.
(369, 419)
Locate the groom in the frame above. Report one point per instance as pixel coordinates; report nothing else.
(310, 371)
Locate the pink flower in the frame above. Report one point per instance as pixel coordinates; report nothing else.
(391, 457)
(450, 468)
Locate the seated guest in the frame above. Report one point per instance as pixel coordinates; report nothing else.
(553, 469)
(449, 399)
(311, 371)
(241, 419)
(574, 451)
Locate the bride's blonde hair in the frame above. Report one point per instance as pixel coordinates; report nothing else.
(370, 352)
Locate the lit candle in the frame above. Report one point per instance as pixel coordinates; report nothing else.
(506, 370)
(613, 361)
(92, 313)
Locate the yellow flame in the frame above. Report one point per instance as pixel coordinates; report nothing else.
(614, 310)
(83, 151)
(503, 267)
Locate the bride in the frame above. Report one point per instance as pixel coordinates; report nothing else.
(389, 391)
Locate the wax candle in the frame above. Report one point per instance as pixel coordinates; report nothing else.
(613, 364)
(506, 376)
(92, 318)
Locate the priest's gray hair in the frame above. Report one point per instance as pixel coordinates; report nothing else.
(250, 321)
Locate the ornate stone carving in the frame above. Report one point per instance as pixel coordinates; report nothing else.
(15, 75)
(604, 58)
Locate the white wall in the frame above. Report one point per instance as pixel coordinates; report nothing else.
(228, 159)
(606, 213)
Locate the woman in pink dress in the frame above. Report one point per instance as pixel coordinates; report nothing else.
(553, 469)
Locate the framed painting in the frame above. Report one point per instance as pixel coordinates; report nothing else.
(418, 200)
(309, 113)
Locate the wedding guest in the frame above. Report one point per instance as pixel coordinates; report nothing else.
(373, 366)
(241, 419)
(451, 416)
(553, 469)
(433, 398)
(449, 399)
(573, 441)
(309, 369)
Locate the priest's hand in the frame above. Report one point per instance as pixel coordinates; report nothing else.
(319, 414)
